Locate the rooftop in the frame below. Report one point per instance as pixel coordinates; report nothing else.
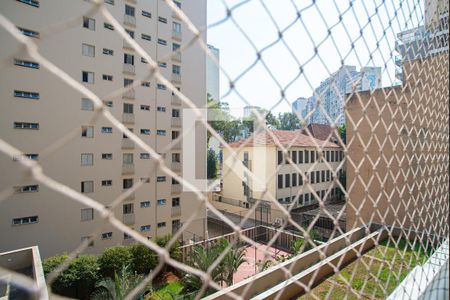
(287, 138)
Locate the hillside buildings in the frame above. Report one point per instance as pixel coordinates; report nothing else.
(38, 110)
(332, 91)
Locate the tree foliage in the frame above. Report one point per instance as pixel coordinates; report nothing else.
(211, 166)
(113, 259)
(288, 121)
(342, 132)
(78, 280)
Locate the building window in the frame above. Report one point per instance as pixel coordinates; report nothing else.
(176, 202)
(294, 179)
(176, 157)
(25, 220)
(146, 14)
(111, 2)
(145, 179)
(128, 59)
(300, 157)
(87, 238)
(145, 228)
(145, 204)
(87, 77)
(328, 175)
(145, 107)
(318, 176)
(129, 10)
(130, 33)
(127, 82)
(108, 103)
(161, 202)
(108, 51)
(25, 125)
(107, 156)
(161, 109)
(146, 37)
(87, 214)
(87, 186)
(107, 77)
(176, 27)
(280, 181)
(294, 156)
(87, 159)
(287, 180)
(300, 179)
(162, 64)
(323, 175)
(145, 131)
(88, 50)
(107, 235)
(175, 113)
(161, 224)
(87, 104)
(174, 181)
(27, 188)
(24, 94)
(162, 20)
(107, 182)
(89, 23)
(34, 3)
(306, 156)
(161, 179)
(175, 134)
(26, 63)
(313, 156)
(28, 32)
(128, 108)
(144, 156)
(161, 87)
(108, 26)
(312, 177)
(127, 183)
(328, 155)
(145, 83)
(280, 157)
(87, 131)
(175, 46)
(162, 42)
(161, 132)
(128, 208)
(106, 129)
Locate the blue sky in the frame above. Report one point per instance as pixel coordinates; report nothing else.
(262, 84)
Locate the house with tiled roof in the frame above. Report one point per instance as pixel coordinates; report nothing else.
(274, 176)
(321, 132)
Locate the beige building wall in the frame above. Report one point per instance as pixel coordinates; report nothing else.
(407, 158)
(263, 162)
(58, 111)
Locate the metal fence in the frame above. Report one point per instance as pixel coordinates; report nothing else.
(395, 149)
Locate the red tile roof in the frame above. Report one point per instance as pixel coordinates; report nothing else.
(322, 132)
(286, 138)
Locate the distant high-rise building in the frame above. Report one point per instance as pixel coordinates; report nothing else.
(213, 73)
(250, 110)
(99, 161)
(299, 105)
(332, 91)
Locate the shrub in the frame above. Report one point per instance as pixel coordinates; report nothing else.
(78, 280)
(113, 259)
(143, 259)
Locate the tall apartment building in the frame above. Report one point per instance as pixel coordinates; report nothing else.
(38, 110)
(299, 105)
(213, 73)
(263, 157)
(332, 91)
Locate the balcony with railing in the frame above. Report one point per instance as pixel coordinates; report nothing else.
(176, 35)
(128, 219)
(127, 144)
(176, 188)
(127, 45)
(176, 78)
(176, 56)
(176, 211)
(175, 100)
(129, 20)
(129, 69)
(127, 118)
(176, 122)
(129, 94)
(127, 169)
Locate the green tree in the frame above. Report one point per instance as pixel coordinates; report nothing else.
(78, 280)
(222, 121)
(232, 261)
(117, 288)
(211, 166)
(174, 251)
(113, 259)
(342, 132)
(143, 259)
(288, 121)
